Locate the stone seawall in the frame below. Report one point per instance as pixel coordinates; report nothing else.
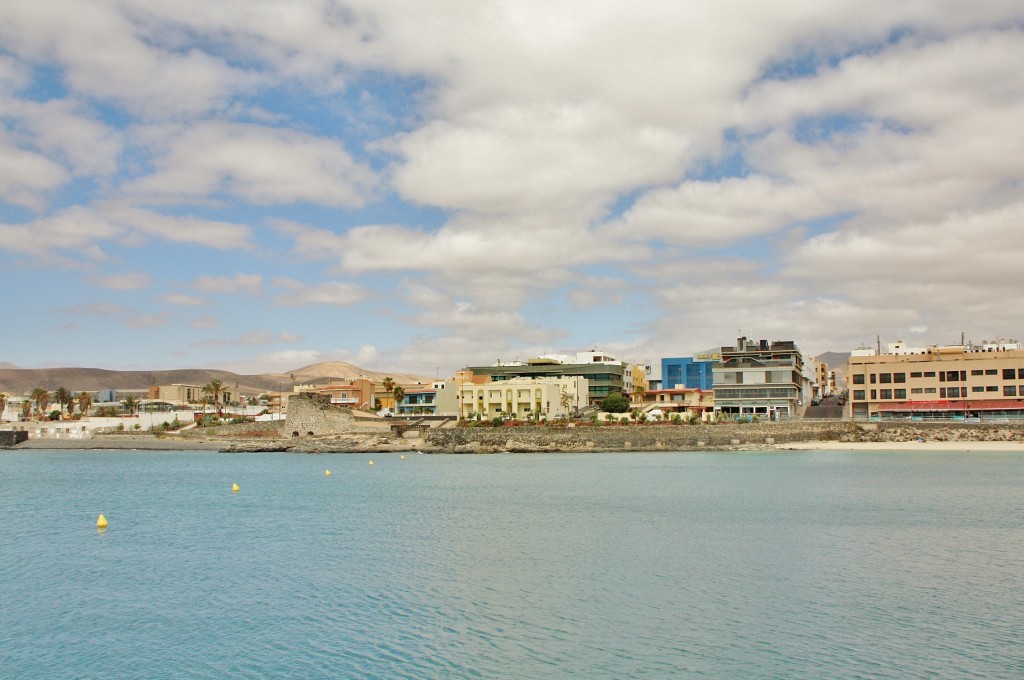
(702, 437)
(12, 437)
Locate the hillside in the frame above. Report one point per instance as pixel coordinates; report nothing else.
(23, 380)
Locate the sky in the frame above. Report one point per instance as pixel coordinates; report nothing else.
(262, 185)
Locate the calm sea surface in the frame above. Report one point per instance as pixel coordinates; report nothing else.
(718, 565)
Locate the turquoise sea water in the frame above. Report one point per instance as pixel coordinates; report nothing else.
(716, 565)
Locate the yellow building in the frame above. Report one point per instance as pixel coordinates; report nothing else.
(523, 398)
(961, 382)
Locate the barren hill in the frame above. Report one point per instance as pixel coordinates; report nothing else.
(24, 380)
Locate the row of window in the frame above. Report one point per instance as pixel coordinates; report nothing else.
(943, 376)
(943, 392)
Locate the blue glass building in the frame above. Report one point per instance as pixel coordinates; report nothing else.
(686, 372)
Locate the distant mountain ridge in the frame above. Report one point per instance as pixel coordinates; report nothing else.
(24, 380)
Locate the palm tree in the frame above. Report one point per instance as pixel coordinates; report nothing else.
(213, 389)
(389, 386)
(41, 398)
(3, 403)
(130, 403)
(397, 392)
(84, 402)
(62, 395)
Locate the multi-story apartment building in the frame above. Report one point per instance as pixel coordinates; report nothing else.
(760, 379)
(960, 382)
(523, 397)
(696, 372)
(603, 373)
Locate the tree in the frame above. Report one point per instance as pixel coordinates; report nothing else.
(397, 392)
(62, 396)
(213, 389)
(41, 398)
(565, 399)
(131, 403)
(615, 403)
(3, 402)
(84, 402)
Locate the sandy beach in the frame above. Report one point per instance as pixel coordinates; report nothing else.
(968, 446)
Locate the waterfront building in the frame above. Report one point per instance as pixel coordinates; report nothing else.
(763, 379)
(696, 372)
(685, 401)
(603, 373)
(418, 401)
(958, 382)
(178, 393)
(523, 398)
(356, 393)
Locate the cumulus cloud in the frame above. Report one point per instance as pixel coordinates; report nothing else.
(246, 284)
(257, 164)
(182, 300)
(334, 293)
(124, 281)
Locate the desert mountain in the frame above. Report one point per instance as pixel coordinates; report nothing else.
(24, 380)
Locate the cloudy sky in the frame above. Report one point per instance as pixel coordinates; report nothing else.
(420, 186)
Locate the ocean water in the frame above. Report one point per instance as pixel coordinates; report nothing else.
(668, 565)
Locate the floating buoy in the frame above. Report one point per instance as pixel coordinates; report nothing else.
(101, 522)
(402, 457)
(234, 488)
(371, 462)
(327, 473)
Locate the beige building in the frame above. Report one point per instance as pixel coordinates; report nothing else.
(960, 382)
(523, 397)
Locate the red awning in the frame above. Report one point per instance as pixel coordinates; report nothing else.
(952, 405)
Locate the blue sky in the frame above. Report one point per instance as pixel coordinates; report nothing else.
(259, 186)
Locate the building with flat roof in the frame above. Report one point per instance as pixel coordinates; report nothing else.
(970, 382)
(523, 398)
(604, 374)
(761, 378)
(689, 372)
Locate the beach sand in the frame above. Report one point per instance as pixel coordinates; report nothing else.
(968, 446)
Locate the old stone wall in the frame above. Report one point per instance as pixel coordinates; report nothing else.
(698, 437)
(313, 414)
(12, 437)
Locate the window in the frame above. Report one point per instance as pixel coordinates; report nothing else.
(885, 378)
(899, 377)
(1009, 373)
(858, 395)
(874, 394)
(858, 379)
(978, 388)
(977, 371)
(1020, 373)
(991, 388)
(916, 390)
(942, 393)
(929, 390)
(885, 394)
(954, 393)
(991, 371)
(915, 374)
(873, 376)
(929, 374)
(899, 394)
(1009, 390)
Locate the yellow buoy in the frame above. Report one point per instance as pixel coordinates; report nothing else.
(101, 522)
(234, 487)
(371, 462)
(402, 457)
(327, 473)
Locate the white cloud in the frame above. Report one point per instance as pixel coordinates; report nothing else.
(204, 322)
(246, 284)
(334, 293)
(182, 300)
(26, 177)
(123, 281)
(260, 165)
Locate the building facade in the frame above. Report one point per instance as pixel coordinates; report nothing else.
(603, 374)
(523, 398)
(955, 382)
(689, 372)
(762, 379)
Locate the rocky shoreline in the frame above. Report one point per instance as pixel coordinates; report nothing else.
(718, 437)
